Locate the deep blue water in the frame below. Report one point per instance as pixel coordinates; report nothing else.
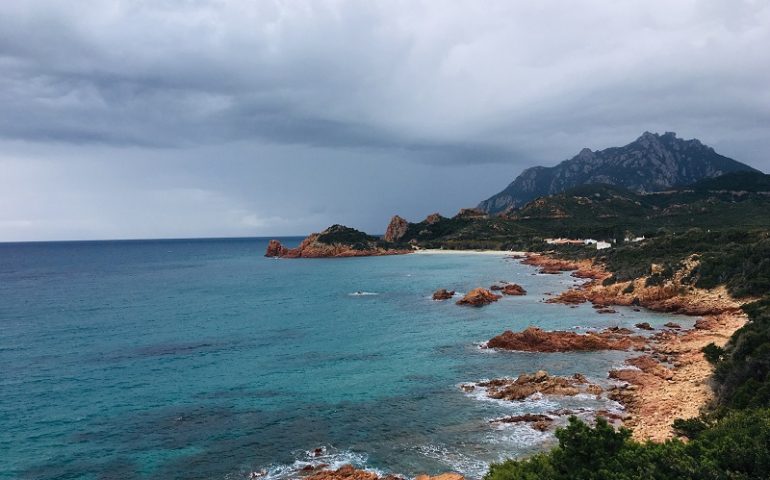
(202, 359)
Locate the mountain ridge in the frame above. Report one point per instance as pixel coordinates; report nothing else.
(652, 162)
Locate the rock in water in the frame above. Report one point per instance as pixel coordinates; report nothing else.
(396, 229)
(478, 297)
(443, 294)
(275, 249)
(534, 339)
(513, 289)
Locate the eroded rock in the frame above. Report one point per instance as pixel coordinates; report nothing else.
(478, 297)
(534, 339)
(443, 294)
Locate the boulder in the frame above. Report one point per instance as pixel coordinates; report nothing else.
(513, 289)
(443, 294)
(478, 297)
(644, 326)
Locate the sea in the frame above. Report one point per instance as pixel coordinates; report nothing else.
(202, 359)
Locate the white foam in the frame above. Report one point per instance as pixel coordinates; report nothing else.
(331, 458)
(535, 402)
(362, 294)
(457, 460)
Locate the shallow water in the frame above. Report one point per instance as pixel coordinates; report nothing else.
(203, 359)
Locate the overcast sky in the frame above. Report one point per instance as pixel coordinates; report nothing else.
(186, 118)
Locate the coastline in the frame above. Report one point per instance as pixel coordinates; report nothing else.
(438, 251)
(671, 378)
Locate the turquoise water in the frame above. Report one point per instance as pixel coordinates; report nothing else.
(202, 359)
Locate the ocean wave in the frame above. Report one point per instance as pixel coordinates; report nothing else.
(326, 457)
(535, 402)
(362, 294)
(456, 460)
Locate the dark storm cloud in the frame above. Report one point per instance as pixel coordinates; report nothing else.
(189, 108)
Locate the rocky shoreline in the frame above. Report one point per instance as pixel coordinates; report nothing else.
(671, 379)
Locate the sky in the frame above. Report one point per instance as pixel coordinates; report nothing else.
(201, 118)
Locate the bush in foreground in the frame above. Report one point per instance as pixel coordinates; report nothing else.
(736, 447)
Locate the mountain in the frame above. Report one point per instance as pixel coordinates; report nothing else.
(651, 163)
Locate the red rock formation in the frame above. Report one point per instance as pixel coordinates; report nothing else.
(348, 472)
(313, 247)
(478, 297)
(513, 289)
(275, 249)
(534, 339)
(443, 294)
(540, 382)
(396, 229)
(443, 476)
(433, 218)
(647, 364)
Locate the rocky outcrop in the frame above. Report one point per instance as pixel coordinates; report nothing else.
(674, 295)
(644, 326)
(664, 160)
(509, 289)
(537, 421)
(534, 339)
(335, 241)
(443, 476)
(433, 218)
(443, 294)
(396, 229)
(478, 297)
(349, 472)
(540, 382)
(275, 249)
(579, 268)
(470, 213)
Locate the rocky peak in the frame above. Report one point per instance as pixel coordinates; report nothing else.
(652, 162)
(396, 229)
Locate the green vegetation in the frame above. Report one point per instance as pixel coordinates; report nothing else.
(734, 447)
(609, 213)
(723, 224)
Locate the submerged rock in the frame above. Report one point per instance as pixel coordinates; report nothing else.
(478, 297)
(538, 421)
(644, 326)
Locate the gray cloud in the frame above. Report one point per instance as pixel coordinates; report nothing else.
(230, 116)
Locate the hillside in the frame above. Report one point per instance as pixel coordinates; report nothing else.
(651, 163)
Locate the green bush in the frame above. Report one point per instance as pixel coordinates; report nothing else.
(735, 447)
(713, 353)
